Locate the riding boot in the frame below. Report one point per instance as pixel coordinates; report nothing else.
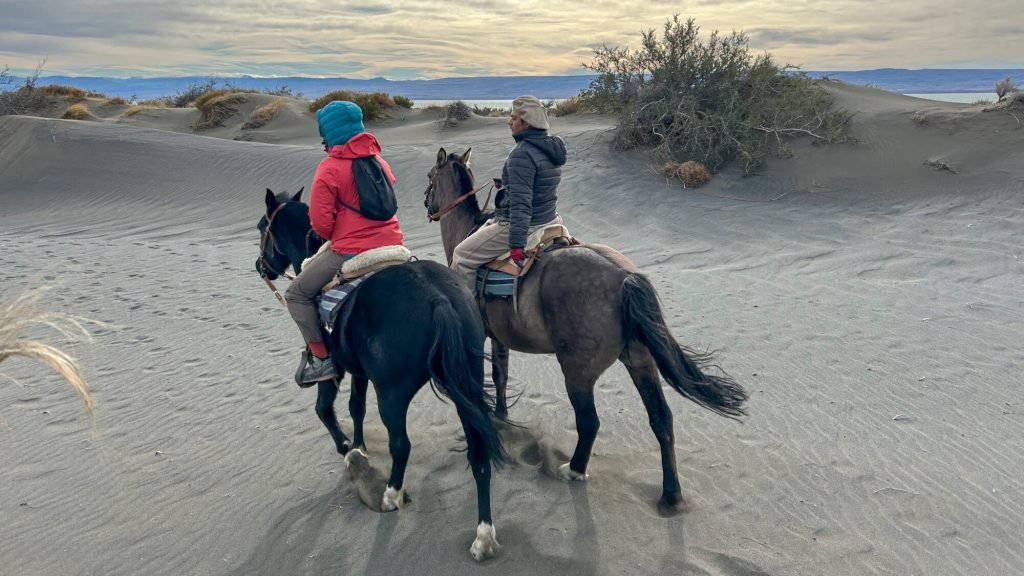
(313, 370)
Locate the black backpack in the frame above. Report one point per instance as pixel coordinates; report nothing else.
(376, 195)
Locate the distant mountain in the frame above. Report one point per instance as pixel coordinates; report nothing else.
(508, 87)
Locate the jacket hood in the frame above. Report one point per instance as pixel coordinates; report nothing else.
(359, 146)
(552, 146)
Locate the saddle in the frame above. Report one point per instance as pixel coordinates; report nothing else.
(500, 277)
(352, 274)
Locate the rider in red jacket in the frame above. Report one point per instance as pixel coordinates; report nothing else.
(350, 233)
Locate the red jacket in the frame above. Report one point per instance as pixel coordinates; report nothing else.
(349, 231)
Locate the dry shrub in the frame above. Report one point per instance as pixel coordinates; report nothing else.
(262, 115)
(1014, 99)
(456, 112)
(18, 315)
(569, 106)
(25, 99)
(76, 112)
(215, 109)
(403, 101)
(61, 90)
(373, 105)
(709, 99)
(692, 174)
(489, 112)
(1005, 86)
(116, 101)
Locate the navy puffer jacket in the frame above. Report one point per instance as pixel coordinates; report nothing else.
(530, 183)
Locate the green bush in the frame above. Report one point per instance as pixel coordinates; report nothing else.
(403, 101)
(373, 105)
(709, 101)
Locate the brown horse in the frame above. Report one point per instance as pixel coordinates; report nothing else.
(590, 306)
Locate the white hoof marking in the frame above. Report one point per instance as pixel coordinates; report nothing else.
(392, 500)
(566, 473)
(353, 454)
(486, 544)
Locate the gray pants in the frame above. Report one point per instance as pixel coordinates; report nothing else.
(307, 286)
(484, 245)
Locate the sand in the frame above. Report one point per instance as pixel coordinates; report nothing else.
(871, 302)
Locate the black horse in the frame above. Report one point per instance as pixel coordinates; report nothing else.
(407, 325)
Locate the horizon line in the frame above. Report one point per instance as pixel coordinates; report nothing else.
(382, 78)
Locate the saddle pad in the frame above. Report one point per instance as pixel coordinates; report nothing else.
(373, 260)
(331, 302)
(498, 283)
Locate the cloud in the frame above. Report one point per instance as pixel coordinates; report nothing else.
(435, 38)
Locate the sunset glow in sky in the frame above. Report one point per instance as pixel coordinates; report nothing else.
(431, 39)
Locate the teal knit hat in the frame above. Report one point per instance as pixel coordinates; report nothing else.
(339, 121)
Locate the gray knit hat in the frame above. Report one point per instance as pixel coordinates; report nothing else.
(531, 111)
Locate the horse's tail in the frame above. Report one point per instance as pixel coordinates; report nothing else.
(643, 321)
(457, 371)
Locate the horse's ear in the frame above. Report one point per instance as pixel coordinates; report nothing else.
(442, 157)
(298, 195)
(465, 157)
(271, 201)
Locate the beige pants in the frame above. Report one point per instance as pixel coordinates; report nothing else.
(484, 245)
(307, 286)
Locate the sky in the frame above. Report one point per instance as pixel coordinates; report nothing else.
(411, 39)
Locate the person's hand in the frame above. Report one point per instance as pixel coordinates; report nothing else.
(517, 256)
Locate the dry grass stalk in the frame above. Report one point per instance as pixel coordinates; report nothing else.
(61, 90)
(18, 315)
(76, 112)
(217, 106)
(263, 114)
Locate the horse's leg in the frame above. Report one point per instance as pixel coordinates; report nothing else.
(486, 543)
(580, 377)
(499, 374)
(394, 406)
(644, 372)
(326, 393)
(357, 409)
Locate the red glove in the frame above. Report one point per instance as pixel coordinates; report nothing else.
(517, 256)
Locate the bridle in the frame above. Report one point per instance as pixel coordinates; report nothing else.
(266, 238)
(436, 216)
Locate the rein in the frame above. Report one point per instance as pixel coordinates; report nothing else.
(436, 216)
(266, 264)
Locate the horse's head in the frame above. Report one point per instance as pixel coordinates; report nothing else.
(276, 251)
(450, 178)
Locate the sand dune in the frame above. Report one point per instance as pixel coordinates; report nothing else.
(871, 301)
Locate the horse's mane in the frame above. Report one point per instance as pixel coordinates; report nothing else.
(465, 178)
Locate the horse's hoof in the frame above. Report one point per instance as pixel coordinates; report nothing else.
(568, 474)
(355, 455)
(345, 447)
(486, 544)
(392, 500)
(672, 504)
